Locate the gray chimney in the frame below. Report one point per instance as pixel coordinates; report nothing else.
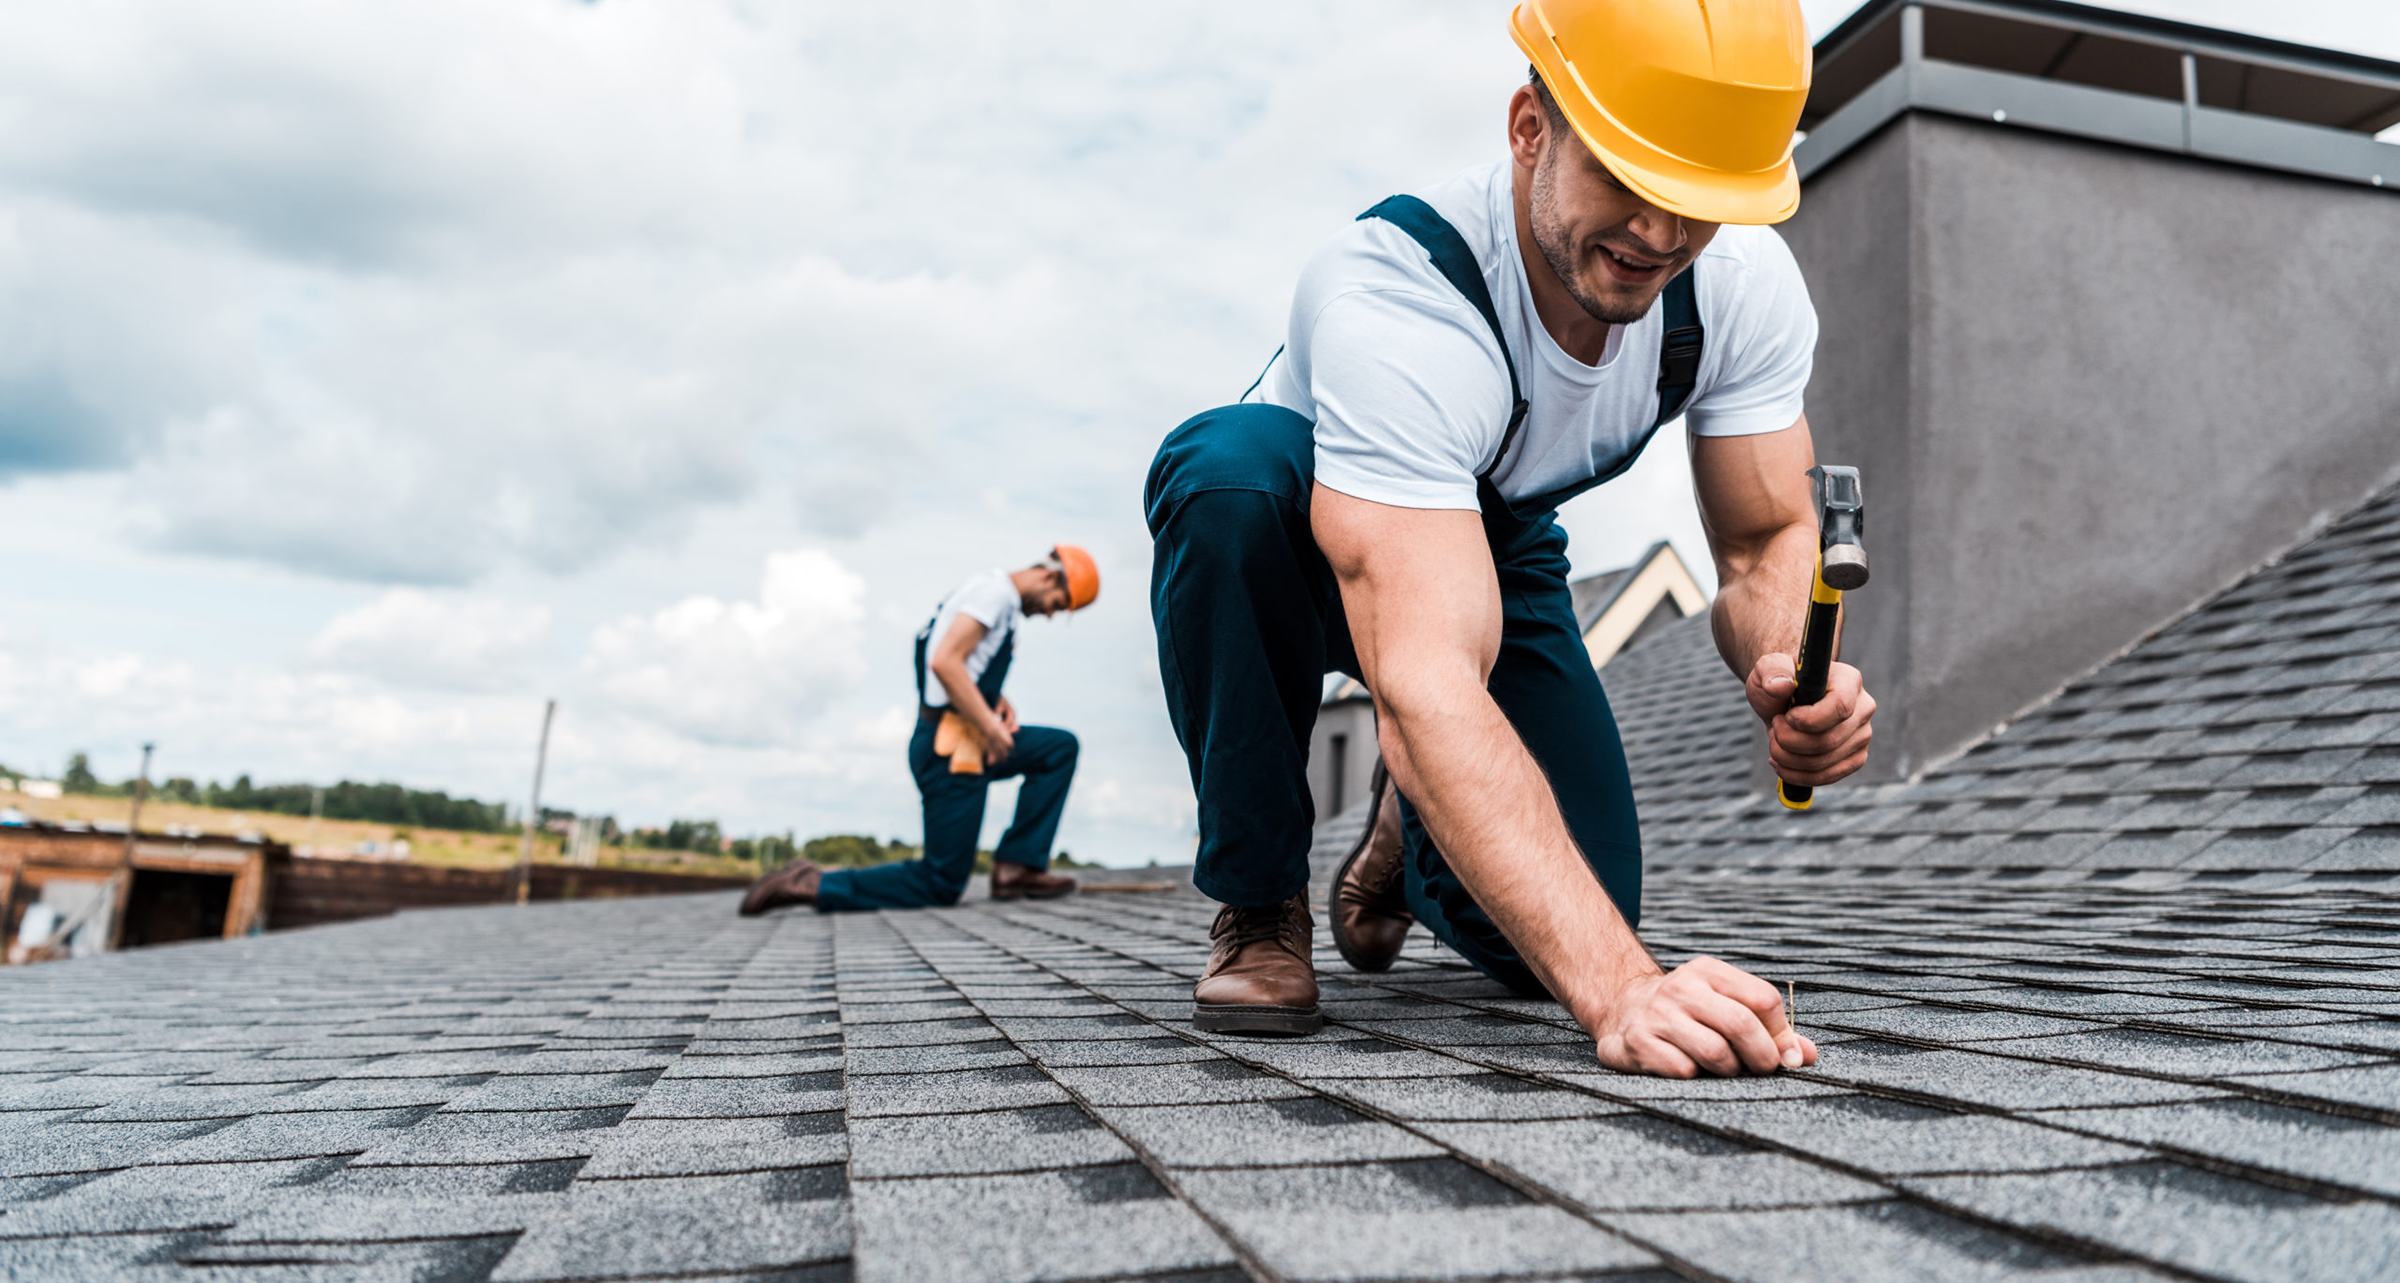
(2110, 314)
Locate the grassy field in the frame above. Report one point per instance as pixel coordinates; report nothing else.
(426, 846)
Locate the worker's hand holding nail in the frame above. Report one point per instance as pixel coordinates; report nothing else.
(1817, 743)
(1704, 1016)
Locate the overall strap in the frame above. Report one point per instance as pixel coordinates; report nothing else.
(1679, 348)
(1456, 263)
(924, 635)
(994, 673)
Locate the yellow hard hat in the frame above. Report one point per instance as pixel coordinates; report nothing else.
(1691, 103)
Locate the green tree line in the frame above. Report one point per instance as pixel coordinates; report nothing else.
(384, 803)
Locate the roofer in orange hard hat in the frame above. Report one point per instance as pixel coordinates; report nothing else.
(968, 736)
(1458, 363)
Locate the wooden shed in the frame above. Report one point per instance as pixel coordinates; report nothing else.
(172, 888)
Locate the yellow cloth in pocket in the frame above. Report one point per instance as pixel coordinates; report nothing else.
(957, 739)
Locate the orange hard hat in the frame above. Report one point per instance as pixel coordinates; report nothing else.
(1083, 575)
(1691, 103)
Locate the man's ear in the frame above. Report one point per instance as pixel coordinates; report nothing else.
(1528, 127)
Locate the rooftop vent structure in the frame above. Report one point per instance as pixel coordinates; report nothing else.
(2095, 73)
(2108, 306)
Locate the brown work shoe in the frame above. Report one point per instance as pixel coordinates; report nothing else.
(794, 883)
(1024, 882)
(1259, 978)
(1369, 914)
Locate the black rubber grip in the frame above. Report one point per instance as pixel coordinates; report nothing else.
(1816, 669)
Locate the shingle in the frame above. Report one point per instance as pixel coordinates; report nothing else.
(921, 1033)
(1644, 1087)
(152, 1200)
(1116, 1051)
(2215, 1225)
(782, 1064)
(1951, 1024)
(1269, 1133)
(1466, 1098)
(111, 1256)
(2269, 848)
(741, 1097)
(631, 1229)
(2376, 1086)
(1430, 1218)
(2165, 1053)
(2276, 1138)
(532, 1136)
(1093, 1223)
(513, 1092)
(266, 1136)
(934, 1059)
(700, 1147)
(2077, 1002)
(968, 1091)
(311, 1217)
(1890, 1137)
(1119, 1026)
(1188, 1083)
(448, 1184)
(1347, 1057)
(371, 1093)
(1867, 1242)
(1018, 1140)
(1632, 1161)
(1975, 1078)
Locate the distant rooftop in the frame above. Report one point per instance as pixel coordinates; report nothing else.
(2098, 73)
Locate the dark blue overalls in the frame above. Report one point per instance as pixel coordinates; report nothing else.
(1044, 755)
(1250, 620)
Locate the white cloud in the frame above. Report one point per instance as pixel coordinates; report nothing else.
(442, 641)
(740, 672)
(591, 306)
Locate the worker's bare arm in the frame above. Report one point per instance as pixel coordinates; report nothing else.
(949, 666)
(1425, 615)
(1761, 521)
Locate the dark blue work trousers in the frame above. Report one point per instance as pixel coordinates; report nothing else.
(1045, 756)
(1250, 620)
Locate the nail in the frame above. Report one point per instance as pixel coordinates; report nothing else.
(1791, 1056)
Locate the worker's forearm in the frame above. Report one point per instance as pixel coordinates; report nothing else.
(965, 699)
(1491, 810)
(1762, 597)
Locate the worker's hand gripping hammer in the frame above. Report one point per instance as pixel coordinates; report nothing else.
(1841, 567)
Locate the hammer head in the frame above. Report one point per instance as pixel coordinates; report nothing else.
(1841, 525)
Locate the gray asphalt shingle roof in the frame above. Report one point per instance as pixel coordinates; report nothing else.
(2116, 996)
(2256, 738)
(2020, 1076)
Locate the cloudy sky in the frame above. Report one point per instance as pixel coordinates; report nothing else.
(369, 372)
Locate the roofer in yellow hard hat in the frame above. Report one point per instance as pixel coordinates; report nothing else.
(1459, 362)
(968, 736)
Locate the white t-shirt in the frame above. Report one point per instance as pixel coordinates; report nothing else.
(990, 599)
(1409, 393)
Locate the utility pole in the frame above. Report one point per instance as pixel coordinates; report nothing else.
(121, 887)
(533, 812)
(133, 819)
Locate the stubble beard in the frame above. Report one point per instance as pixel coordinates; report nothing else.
(1557, 245)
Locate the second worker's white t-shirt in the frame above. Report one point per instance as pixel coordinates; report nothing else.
(990, 599)
(1409, 393)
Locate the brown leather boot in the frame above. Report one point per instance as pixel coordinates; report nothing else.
(794, 883)
(1259, 978)
(1369, 914)
(1024, 882)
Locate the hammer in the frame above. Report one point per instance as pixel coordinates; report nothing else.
(1841, 567)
